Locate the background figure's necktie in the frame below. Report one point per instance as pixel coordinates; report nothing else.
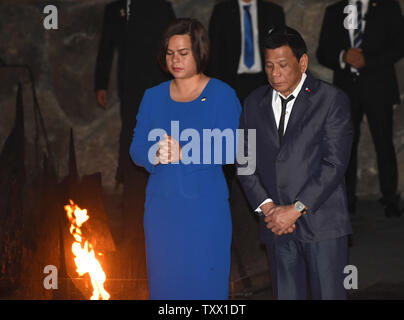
(358, 30)
(281, 127)
(248, 38)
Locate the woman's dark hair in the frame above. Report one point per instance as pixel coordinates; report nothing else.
(278, 37)
(199, 40)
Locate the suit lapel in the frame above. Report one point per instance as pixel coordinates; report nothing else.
(300, 109)
(269, 117)
(235, 27)
(370, 19)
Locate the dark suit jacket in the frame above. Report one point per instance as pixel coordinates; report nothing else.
(147, 22)
(225, 36)
(113, 38)
(382, 45)
(311, 163)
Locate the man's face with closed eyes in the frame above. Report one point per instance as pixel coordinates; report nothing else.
(283, 70)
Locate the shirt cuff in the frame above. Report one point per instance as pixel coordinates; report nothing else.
(265, 201)
(341, 62)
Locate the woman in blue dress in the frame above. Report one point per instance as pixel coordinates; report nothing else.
(187, 219)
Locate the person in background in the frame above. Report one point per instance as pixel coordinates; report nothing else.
(237, 29)
(362, 57)
(113, 38)
(133, 28)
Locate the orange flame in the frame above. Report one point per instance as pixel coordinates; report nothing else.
(85, 259)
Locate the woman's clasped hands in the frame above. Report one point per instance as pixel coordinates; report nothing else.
(169, 151)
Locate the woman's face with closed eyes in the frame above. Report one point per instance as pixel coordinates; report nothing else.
(179, 57)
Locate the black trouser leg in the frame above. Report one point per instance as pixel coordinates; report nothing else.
(380, 119)
(133, 177)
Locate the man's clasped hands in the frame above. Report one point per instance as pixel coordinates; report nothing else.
(280, 219)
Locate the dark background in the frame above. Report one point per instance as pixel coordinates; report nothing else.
(63, 63)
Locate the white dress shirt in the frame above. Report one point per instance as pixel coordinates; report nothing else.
(277, 110)
(128, 9)
(365, 4)
(257, 66)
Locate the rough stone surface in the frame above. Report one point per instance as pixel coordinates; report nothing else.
(63, 63)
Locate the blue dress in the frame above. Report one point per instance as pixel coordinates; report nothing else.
(187, 219)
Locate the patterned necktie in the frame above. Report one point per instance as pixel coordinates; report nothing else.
(358, 31)
(281, 127)
(248, 38)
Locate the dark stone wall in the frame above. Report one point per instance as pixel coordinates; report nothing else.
(63, 63)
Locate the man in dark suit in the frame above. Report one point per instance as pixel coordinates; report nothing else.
(236, 30)
(362, 56)
(133, 28)
(113, 38)
(303, 141)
